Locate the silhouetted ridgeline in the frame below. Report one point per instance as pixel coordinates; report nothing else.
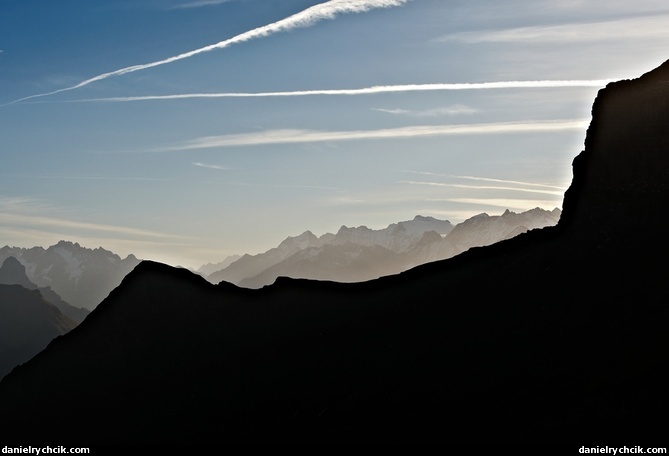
(30, 316)
(558, 335)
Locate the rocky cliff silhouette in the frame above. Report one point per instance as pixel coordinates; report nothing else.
(557, 336)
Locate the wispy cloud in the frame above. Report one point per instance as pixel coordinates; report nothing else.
(205, 165)
(312, 187)
(508, 203)
(199, 4)
(289, 136)
(93, 178)
(541, 84)
(42, 221)
(436, 112)
(305, 18)
(646, 27)
(489, 179)
(33, 213)
(484, 187)
(505, 181)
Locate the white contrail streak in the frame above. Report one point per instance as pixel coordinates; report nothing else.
(271, 137)
(483, 187)
(543, 84)
(505, 181)
(488, 179)
(205, 165)
(305, 18)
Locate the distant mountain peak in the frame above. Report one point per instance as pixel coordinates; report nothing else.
(424, 218)
(13, 271)
(81, 276)
(12, 264)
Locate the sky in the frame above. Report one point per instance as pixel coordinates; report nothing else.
(184, 131)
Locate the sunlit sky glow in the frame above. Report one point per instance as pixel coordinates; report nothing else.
(186, 131)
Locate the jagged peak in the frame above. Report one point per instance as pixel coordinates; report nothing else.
(425, 218)
(63, 243)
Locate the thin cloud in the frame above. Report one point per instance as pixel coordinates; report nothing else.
(289, 136)
(436, 112)
(504, 181)
(205, 165)
(484, 187)
(508, 203)
(199, 4)
(541, 84)
(488, 179)
(95, 178)
(647, 27)
(34, 220)
(28, 213)
(312, 187)
(305, 18)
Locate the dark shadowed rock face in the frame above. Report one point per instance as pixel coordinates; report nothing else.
(27, 324)
(12, 272)
(622, 176)
(555, 336)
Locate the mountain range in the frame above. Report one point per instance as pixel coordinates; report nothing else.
(360, 253)
(351, 255)
(555, 336)
(83, 277)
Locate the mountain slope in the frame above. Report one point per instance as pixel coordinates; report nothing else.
(83, 277)
(27, 324)
(555, 336)
(12, 272)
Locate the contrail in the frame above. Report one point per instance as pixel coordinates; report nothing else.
(487, 179)
(305, 18)
(542, 84)
(483, 187)
(268, 137)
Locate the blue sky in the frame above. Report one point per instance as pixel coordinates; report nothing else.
(185, 131)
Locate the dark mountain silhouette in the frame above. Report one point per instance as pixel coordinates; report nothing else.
(12, 272)
(557, 336)
(82, 276)
(360, 253)
(28, 322)
(30, 316)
